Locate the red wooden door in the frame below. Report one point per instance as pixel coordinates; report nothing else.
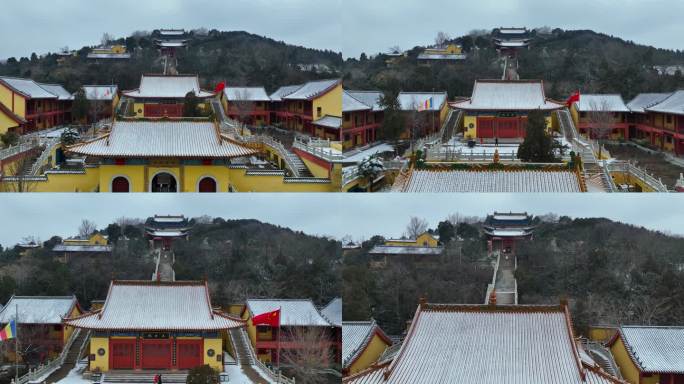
(122, 354)
(507, 128)
(207, 185)
(120, 185)
(485, 128)
(156, 354)
(189, 353)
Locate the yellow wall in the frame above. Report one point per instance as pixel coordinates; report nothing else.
(100, 363)
(138, 109)
(86, 182)
(369, 356)
(629, 371)
(420, 241)
(470, 132)
(68, 331)
(19, 108)
(6, 123)
(624, 178)
(330, 103)
(217, 345)
(602, 334)
(575, 114)
(134, 173)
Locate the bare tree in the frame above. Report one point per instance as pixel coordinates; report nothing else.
(395, 49)
(106, 38)
(601, 121)
(416, 227)
(20, 178)
(454, 219)
(309, 361)
(244, 105)
(86, 228)
(442, 39)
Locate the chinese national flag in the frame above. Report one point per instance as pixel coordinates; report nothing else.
(574, 98)
(269, 318)
(220, 87)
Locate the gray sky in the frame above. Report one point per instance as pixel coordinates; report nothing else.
(359, 215)
(369, 26)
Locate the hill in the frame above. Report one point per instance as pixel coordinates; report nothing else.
(238, 57)
(566, 60)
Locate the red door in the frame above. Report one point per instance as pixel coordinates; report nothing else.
(122, 354)
(507, 128)
(156, 354)
(120, 185)
(485, 128)
(207, 185)
(189, 353)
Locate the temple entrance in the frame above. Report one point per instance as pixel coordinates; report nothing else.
(164, 182)
(122, 353)
(207, 185)
(156, 354)
(189, 353)
(120, 185)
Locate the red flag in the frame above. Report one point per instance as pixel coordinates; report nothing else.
(220, 87)
(574, 98)
(269, 318)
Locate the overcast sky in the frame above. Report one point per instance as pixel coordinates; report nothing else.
(352, 27)
(358, 215)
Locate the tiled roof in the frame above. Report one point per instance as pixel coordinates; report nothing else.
(646, 100)
(405, 250)
(281, 92)
(28, 88)
(504, 95)
(313, 89)
(100, 92)
(372, 375)
(293, 312)
(333, 311)
(674, 104)
(438, 56)
(351, 104)
(162, 139)
(355, 338)
(410, 101)
(82, 248)
(491, 181)
(329, 122)
(175, 87)
(246, 94)
(57, 90)
(147, 305)
(93, 55)
(655, 349)
(607, 103)
(488, 344)
(370, 98)
(38, 309)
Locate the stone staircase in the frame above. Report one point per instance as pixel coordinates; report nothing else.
(143, 377)
(244, 355)
(73, 355)
(604, 358)
(451, 125)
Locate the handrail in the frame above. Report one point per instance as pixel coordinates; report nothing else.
(628, 167)
(52, 365)
(317, 149)
(42, 159)
(278, 376)
(13, 150)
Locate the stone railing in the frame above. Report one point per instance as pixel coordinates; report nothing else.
(641, 174)
(39, 372)
(14, 150)
(42, 160)
(317, 149)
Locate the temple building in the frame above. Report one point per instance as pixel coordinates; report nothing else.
(26, 105)
(452, 343)
(425, 249)
(426, 111)
(164, 96)
(300, 324)
(110, 52)
(155, 326)
(659, 119)
(498, 109)
(94, 245)
(503, 230)
(601, 116)
(648, 354)
(103, 100)
(363, 342)
(169, 40)
(362, 117)
(310, 108)
(40, 323)
(162, 231)
(450, 52)
(509, 41)
(249, 105)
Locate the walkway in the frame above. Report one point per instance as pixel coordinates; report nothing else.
(72, 357)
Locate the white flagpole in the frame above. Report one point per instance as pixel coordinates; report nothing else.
(16, 343)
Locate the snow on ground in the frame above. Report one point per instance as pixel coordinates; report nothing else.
(236, 376)
(384, 147)
(75, 377)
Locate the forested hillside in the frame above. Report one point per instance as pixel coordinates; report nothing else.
(240, 58)
(239, 258)
(565, 60)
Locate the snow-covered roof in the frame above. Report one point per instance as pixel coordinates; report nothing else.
(512, 44)
(313, 89)
(28, 88)
(370, 98)
(491, 181)
(358, 155)
(162, 139)
(508, 232)
(38, 309)
(163, 306)
(293, 312)
(646, 100)
(58, 90)
(488, 344)
(246, 94)
(100, 92)
(371, 375)
(351, 104)
(172, 44)
(410, 101)
(329, 122)
(355, 338)
(510, 216)
(171, 87)
(603, 103)
(93, 55)
(512, 31)
(167, 233)
(284, 91)
(437, 56)
(171, 32)
(674, 104)
(82, 248)
(508, 95)
(333, 311)
(405, 250)
(655, 349)
(169, 219)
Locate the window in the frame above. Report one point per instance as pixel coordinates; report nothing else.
(319, 111)
(347, 117)
(668, 119)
